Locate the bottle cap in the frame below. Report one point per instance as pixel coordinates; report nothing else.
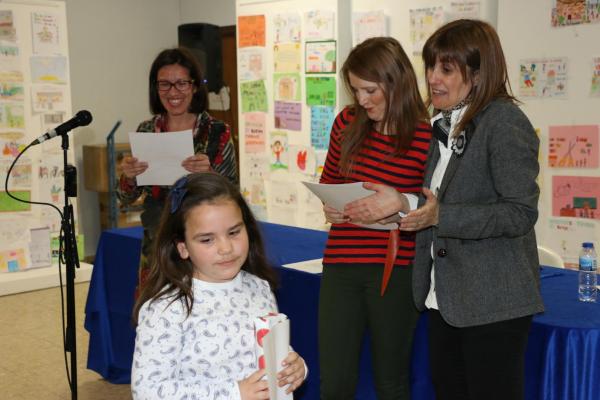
(588, 245)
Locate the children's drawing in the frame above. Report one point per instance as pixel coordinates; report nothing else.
(543, 78)
(575, 196)
(279, 150)
(286, 27)
(44, 31)
(573, 146)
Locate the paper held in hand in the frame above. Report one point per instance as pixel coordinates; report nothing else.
(338, 195)
(164, 152)
(272, 334)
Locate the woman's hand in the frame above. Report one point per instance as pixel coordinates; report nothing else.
(383, 205)
(293, 372)
(423, 217)
(253, 387)
(132, 167)
(334, 216)
(197, 163)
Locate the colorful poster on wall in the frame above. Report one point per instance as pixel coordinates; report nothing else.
(368, 24)
(8, 204)
(9, 57)
(302, 160)
(286, 87)
(11, 91)
(595, 84)
(573, 146)
(251, 30)
(288, 115)
(255, 132)
(12, 143)
(278, 142)
(8, 32)
(251, 64)
(423, 22)
(543, 78)
(12, 116)
(574, 12)
(14, 259)
(20, 175)
(321, 119)
(319, 25)
(48, 98)
(44, 32)
(254, 96)
(287, 57)
(287, 27)
(575, 196)
(320, 57)
(320, 91)
(48, 69)
(51, 188)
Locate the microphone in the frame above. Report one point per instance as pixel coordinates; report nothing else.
(82, 118)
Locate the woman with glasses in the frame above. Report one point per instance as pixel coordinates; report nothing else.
(178, 101)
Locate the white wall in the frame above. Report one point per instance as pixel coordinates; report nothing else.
(112, 44)
(221, 12)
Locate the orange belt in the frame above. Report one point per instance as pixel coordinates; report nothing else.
(390, 259)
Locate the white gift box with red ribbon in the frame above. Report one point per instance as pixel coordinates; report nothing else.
(272, 334)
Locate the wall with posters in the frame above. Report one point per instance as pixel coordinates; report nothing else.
(289, 93)
(34, 97)
(554, 57)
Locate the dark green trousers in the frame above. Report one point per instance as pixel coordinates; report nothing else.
(350, 303)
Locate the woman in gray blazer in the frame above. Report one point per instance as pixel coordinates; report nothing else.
(476, 266)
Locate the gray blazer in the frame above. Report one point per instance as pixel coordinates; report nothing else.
(486, 263)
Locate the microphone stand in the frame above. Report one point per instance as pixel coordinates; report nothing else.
(71, 261)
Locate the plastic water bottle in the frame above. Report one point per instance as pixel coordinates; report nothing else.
(588, 264)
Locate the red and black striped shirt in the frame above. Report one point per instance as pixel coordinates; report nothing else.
(352, 244)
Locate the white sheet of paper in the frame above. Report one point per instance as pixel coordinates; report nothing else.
(276, 345)
(337, 196)
(164, 153)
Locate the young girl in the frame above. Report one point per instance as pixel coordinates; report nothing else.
(210, 280)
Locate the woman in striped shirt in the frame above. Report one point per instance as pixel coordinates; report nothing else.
(382, 139)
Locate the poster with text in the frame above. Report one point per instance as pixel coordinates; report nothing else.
(320, 57)
(254, 96)
(251, 30)
(321, 119)
(44, 32)
(543, 78)
(464, 10)
(575, 196)
(288, 115)
(320, 91)
(573, 146)
(287, 57)
(255, 132)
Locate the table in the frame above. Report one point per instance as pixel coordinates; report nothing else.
(563, 354)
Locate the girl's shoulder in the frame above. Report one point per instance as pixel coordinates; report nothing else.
(165, 307)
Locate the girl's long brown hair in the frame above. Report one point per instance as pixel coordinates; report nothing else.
(383, 61)
(169, 273)
(474, 47)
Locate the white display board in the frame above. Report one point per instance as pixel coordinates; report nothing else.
(35, 96)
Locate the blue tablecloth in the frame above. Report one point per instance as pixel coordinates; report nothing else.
(563, 354)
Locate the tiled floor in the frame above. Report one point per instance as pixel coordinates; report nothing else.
(31, 353)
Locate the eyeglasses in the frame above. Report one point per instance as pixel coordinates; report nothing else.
(181, 85)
